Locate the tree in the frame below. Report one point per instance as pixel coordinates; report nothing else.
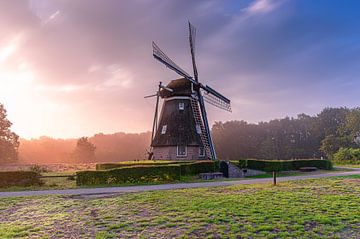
(84, 151)
(9, 141)
(351, 129)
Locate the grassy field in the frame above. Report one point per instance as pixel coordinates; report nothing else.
(321, 208)
(347, 165)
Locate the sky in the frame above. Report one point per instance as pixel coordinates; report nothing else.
(75, 68)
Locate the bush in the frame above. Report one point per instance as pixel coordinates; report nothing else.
(347, 156)
(136, 174)
(284, 165)
(19, 178)
(38, 169)
(106, 166)
(145, 173)
(207, 166)
(320, 164)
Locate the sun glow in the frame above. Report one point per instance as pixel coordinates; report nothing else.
(6, 52)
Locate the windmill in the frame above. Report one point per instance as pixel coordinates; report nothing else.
(182, 131)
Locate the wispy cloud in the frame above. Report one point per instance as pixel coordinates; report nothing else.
(263, 6)
(272, 57)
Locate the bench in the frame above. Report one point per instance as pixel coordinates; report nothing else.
(308, 169)
(209, 176)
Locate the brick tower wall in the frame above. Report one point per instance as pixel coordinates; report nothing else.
(169, 153)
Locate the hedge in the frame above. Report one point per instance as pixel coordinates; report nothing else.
(19, 178)
(199, 167)
(145, 173)
(106, 166)
(284, 165)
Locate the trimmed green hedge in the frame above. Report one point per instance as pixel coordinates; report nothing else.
(145, 173)
(129, 175)
(199, 167)
(106, 166)
(284, 165)
(19, 178)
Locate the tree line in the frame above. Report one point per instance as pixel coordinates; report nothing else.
(98, 148)
(323, 135)
(302, 137)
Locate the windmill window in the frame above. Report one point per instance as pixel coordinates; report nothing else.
(201, 152)
(181, 106)
(198, 129)
(163, 130)
(181, 151)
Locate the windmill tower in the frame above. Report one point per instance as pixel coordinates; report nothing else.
(182, 132)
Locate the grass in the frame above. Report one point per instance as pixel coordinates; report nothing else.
(347, 165)
(49, 183)
(316, 208)
(279, 174)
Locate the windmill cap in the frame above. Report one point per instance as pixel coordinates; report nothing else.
(180, 87)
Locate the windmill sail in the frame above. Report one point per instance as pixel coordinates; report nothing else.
(163, 58)
(192, 36)
(213, 97)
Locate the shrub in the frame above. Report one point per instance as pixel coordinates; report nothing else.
(145, 173)
(320, 164)
(199, 167)
(284, 165)
(347, 156)
(19, 178)
(135, 174)
(106, 166)
(38, 169)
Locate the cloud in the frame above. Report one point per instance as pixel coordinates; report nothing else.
(272, 58)
(262, 6)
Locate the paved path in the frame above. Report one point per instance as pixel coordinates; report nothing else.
(128, 189)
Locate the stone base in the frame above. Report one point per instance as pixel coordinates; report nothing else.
(170, 153)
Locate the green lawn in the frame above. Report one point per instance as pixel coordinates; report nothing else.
(347, 165)
(317, 208)
(279, 174)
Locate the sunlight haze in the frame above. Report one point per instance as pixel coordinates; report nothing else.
(76, 68)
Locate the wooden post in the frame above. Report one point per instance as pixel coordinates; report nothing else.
(274, 178)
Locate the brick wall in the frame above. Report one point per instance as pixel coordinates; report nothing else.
(169, 153)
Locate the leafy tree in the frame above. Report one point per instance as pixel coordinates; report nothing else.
(347, 155)
(331, 119)
(84, 151)
(351, 129)
(330, 145)
(301, 137)
(9, 141)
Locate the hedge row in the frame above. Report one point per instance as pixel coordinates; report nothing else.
(284, 165)
(106, 166)
(199, 167)
(144, 173)
(19, 178)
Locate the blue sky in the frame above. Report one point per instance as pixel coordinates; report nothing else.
(83, 67)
